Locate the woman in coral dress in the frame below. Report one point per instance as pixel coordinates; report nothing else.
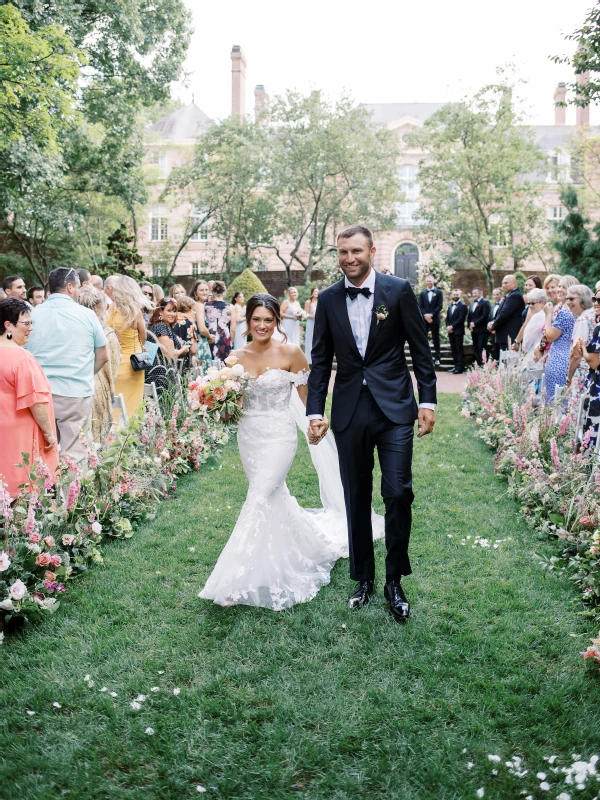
(26, 411)
(126, 318)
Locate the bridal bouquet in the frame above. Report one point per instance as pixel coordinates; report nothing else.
(302, 315)
(219, 392)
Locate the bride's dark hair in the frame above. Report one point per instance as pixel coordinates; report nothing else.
(267, 301)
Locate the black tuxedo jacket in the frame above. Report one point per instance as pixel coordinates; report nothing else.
(480, 316)
(507, 322)
(384, 367)
(435, 307)
(457, 319)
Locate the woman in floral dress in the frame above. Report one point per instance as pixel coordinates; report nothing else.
(558, 332)
(220, 321)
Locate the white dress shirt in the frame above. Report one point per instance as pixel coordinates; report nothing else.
(360, 311)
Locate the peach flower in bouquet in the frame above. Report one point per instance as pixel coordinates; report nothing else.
(219, 392)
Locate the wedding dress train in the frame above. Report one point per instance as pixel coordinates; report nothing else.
(280, 554)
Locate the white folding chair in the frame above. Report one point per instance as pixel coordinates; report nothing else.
(150, 391)
(508, 359)
(118, 404)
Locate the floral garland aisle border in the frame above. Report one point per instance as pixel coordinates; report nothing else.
(558, 489)
(51, 533)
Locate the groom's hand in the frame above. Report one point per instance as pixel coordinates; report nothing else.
(317, 429)
(426, 421)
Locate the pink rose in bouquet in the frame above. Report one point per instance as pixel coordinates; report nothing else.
(220, 392)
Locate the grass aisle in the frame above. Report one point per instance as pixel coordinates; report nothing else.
(315, 702)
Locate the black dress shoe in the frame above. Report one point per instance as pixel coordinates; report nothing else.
(362, 594)
(436, 363)
(452, 371)
(399, 607)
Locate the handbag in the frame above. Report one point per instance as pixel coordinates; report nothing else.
(141, 361)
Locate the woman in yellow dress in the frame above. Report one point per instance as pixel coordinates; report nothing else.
(126, 317)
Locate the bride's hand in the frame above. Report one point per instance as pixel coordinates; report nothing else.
(317, 429)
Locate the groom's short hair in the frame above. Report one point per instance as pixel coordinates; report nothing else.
(353, 230)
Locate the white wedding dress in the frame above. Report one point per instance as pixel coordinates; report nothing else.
(280, 554)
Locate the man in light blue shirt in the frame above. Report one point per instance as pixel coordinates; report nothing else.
(68, 342)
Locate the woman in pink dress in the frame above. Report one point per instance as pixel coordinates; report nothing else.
(26, 411)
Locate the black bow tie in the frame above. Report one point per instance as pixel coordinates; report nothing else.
(353, 292)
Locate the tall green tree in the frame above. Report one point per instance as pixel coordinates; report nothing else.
(328, 166)
(475, 195)
(579, 251)
(38, 79)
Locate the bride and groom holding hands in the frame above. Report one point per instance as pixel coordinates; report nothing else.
(280, 554)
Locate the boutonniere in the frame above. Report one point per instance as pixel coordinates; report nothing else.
(381, 313)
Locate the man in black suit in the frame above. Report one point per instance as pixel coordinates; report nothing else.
(364, 320)
(507, 322)
(477, 320)
(431, 301)
(455, 325)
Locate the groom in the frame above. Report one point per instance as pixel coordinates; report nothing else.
(364, 320)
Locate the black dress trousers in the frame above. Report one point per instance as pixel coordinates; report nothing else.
(369, 428)
(457, 341)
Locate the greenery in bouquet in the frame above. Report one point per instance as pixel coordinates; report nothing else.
(217, 395)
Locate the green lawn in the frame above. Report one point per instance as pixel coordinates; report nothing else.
(317, 702)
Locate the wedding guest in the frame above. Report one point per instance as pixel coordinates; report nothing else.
(68, 342)
(558, 332)
(176, 291)
(158, 293)
(109, 284)
(36, 296)
(220, 321)
(533, 328)
(199, 294)
(97, 282)
(591, 355)
(455, 326)
(26, 410)
(84, 276)
(550, 286)
(162, 323)
(147, 291)
(507, 322)
(290, 316)
(533, 282)
(126, 318)
(430, 302)
(310, 307)
(104, 380)
(2, 294)
(14, 286)
(241, 325)
(580, 303)
(477, 320)
(185, 330)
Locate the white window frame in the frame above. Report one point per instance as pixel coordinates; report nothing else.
(159, 224)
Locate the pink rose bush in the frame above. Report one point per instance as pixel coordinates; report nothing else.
(556, 482)
(50, 535)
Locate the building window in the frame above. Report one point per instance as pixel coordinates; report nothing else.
(200, 235)
(556, 213)
(407, 210)
(159, 157)
(159, 228)
(559, 167)
(199, 267)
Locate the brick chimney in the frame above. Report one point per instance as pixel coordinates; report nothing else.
(261, 102)
(560, 96)
(238, 82)
(582, 114)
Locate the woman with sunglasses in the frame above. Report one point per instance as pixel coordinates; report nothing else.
(580, 301)
(533, 328)
(26, 410)
(591, 355)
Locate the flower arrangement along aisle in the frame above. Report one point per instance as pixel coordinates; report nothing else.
(557, 487)
(50, 534)
(218, 394)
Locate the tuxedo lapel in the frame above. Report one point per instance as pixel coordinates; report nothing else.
(379, 298)
(338, 301)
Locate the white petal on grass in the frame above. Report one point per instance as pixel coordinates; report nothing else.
(470, 765)
(161, 672)
(480, 792)
(103, 689)
(564, 796)
(149, 731)
(141, 697)
(57, 705)
(200, 789)
(91, 684)
(114, 694)
(496, 759)
(541, 776)
(545, 786)
(155, 689)
(31, 713)
(135, 705)
(87, 677)
(176, 691)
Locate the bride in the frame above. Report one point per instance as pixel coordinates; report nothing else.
(279, 554)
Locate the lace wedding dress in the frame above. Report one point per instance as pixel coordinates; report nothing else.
(280, 554)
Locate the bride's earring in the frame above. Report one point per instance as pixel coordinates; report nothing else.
(9, 335)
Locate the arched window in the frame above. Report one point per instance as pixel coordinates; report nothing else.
(406, 257)
(407, 210)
